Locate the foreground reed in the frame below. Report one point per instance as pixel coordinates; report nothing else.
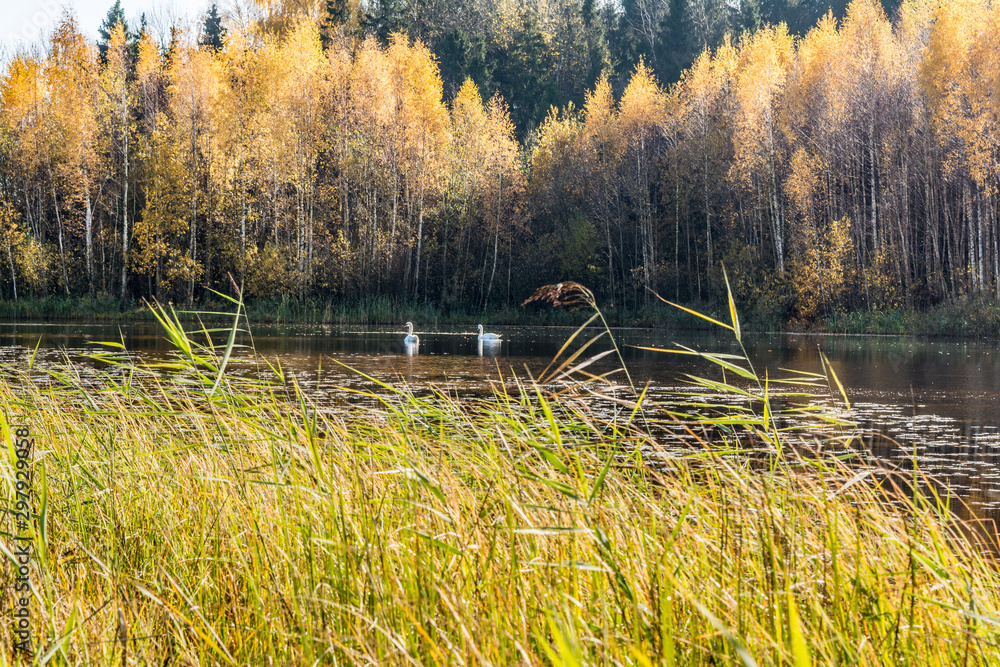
(188, 517)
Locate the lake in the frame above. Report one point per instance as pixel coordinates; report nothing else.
(933, 397)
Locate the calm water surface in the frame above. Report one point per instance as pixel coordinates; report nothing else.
(933, 396)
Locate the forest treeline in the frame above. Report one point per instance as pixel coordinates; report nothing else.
(307, 156)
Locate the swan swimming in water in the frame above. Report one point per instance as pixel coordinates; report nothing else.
(488, 336)
(410, 339)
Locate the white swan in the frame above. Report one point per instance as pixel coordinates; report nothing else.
(410, 339)
(489, 336)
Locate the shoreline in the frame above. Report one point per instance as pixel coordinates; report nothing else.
(973, 318)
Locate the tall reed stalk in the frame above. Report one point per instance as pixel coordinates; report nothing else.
(193, 516)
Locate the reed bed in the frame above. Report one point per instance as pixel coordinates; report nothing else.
(190, 516)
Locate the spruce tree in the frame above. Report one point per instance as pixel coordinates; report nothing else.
(677, 48)
(133, 39)
(598, 56)
(524, 75)
(335, 16)
(384, 18)
(212, 30)
(750, 15)
(462, 55)
(115, 16)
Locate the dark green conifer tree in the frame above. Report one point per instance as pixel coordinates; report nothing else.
(212, 30)
(678, 47)
(461, 56)
(750, 15)
(524, 76)
(115, 16)
(599, 58)
(336, 14)
(384, 18)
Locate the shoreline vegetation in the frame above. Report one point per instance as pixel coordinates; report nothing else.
(529, 528)
(840, 162)
(972, 318)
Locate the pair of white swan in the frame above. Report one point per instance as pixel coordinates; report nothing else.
(412, 339)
